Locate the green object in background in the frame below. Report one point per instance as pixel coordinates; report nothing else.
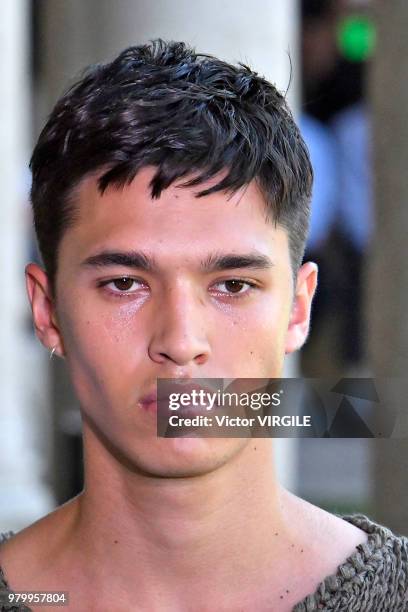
(356, 37)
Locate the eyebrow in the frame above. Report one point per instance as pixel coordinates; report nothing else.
(129, 259)
(215, 262)
(219, 261)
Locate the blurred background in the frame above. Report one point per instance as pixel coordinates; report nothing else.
(349, 92)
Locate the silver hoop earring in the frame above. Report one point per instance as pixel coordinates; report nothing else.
(52, 352)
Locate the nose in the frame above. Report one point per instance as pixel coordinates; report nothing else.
(180, 333)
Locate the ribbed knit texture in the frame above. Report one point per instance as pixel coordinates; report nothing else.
(373, 579)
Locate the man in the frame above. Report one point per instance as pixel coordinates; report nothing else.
(171, 198)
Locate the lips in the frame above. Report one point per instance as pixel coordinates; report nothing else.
(151, 400)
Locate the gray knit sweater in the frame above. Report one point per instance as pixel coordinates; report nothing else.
(373, 579)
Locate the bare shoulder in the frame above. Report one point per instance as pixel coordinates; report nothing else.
(341, 534)
(327, 537)
(29, 552)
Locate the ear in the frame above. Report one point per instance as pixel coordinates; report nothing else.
(43, 308)
(299, 321)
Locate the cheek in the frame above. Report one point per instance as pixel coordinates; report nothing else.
(97, 348)
(254, 340)
(98, 331)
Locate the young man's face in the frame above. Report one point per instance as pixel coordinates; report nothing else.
(176, 313)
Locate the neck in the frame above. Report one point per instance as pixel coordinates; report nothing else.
(179, 530)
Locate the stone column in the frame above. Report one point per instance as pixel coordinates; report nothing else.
(387, 297)
(23, 495)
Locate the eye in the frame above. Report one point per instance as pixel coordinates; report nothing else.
(122, 286)
(235, 286)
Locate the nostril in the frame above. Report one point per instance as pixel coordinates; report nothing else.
(200, 359)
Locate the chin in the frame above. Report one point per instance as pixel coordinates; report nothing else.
(185, 457)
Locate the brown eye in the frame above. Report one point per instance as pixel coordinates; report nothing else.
(123, 284)
(234, 286)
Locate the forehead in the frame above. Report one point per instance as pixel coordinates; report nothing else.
(176, 222)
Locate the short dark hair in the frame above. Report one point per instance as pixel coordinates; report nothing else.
(187, 114)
